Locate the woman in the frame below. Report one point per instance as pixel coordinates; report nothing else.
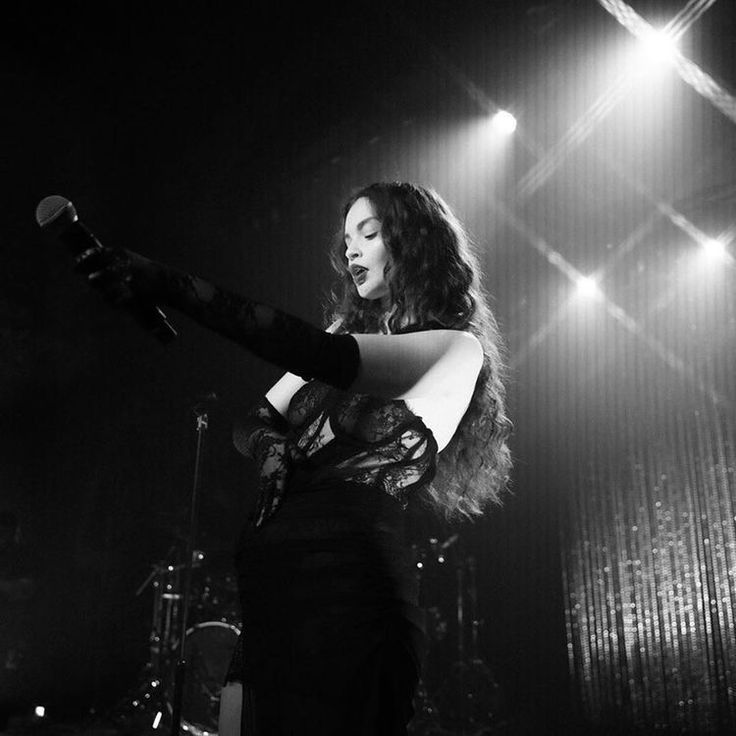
(408, 374)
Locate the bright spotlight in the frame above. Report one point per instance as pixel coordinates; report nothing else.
(658, 47)
(503, 122)
(714, 249)
(587, 288)
(39, 711)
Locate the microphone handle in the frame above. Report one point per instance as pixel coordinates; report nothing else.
(77, 238)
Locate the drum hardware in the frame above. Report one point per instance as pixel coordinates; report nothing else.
(466, 701)
(166, 618)
(208, 648)
(179, 687)
(209, 643)
(202, 424)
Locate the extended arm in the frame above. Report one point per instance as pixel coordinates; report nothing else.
(417, 365)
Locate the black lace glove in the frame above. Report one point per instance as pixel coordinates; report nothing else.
(262, 436)
(280, 338)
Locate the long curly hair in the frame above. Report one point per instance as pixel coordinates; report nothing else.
(434, 283)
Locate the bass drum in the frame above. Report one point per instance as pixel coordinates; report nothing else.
(208, 648)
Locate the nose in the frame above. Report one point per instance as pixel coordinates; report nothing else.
(352, 251)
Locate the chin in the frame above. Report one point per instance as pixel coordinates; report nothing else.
(370, 296)
(373, 294)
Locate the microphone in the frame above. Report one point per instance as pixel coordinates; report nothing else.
(56, 215)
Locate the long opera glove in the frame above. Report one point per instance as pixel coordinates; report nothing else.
(280, 338)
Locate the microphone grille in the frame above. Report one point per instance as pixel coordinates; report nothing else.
(51, 208)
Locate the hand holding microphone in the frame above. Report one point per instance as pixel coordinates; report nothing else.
(124, 278)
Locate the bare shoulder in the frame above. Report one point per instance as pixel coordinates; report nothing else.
(461, 340)
(466, 350)
(457, 357)
(457, 342)
(416, 364)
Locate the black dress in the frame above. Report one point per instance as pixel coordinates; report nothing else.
(332, 635)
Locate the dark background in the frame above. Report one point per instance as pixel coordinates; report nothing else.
(223, 142)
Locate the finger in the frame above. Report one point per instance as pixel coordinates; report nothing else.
(85, 254)
(261, 517)
(109, 279)
(92, 259)
(263, 504)
(114, 272)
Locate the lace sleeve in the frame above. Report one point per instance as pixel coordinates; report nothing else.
(262, 436)
(260, 422)
(280, 338)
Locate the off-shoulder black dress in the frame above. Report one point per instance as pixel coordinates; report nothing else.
(332, 635)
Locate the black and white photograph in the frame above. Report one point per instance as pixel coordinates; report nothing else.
(368, 368)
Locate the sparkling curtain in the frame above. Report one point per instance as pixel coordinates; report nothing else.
(650, 579)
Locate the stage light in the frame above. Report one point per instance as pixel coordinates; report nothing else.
(714, 247)
(503, 122)
(587, 288)
(657, 49)
(714, 250)
(157, 720)
(39, 711)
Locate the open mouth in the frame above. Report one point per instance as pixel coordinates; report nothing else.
(359, 274)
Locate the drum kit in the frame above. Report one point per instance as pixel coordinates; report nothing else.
(194, 629)
(212, 630)
(458, 694)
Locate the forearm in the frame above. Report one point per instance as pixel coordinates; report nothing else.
(253, 430)
(280, 338)
(280, 394)
(262, 435)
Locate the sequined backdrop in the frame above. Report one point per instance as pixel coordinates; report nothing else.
(649, 542)
(649, 581)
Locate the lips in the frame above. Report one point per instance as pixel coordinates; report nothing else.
(359, 273)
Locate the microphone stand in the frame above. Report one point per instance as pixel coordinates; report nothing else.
(200, 412)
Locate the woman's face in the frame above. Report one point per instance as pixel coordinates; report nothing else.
(365, 251)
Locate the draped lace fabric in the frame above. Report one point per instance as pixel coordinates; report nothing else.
(262, 436)
(364, 439)
(332, 635)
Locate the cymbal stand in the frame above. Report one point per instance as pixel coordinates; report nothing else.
(482, 697)
(462, 701)
(200, 412)
(468, 699)
(141, 710)
(166, 615)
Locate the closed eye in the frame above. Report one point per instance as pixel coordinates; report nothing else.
(370, 236)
